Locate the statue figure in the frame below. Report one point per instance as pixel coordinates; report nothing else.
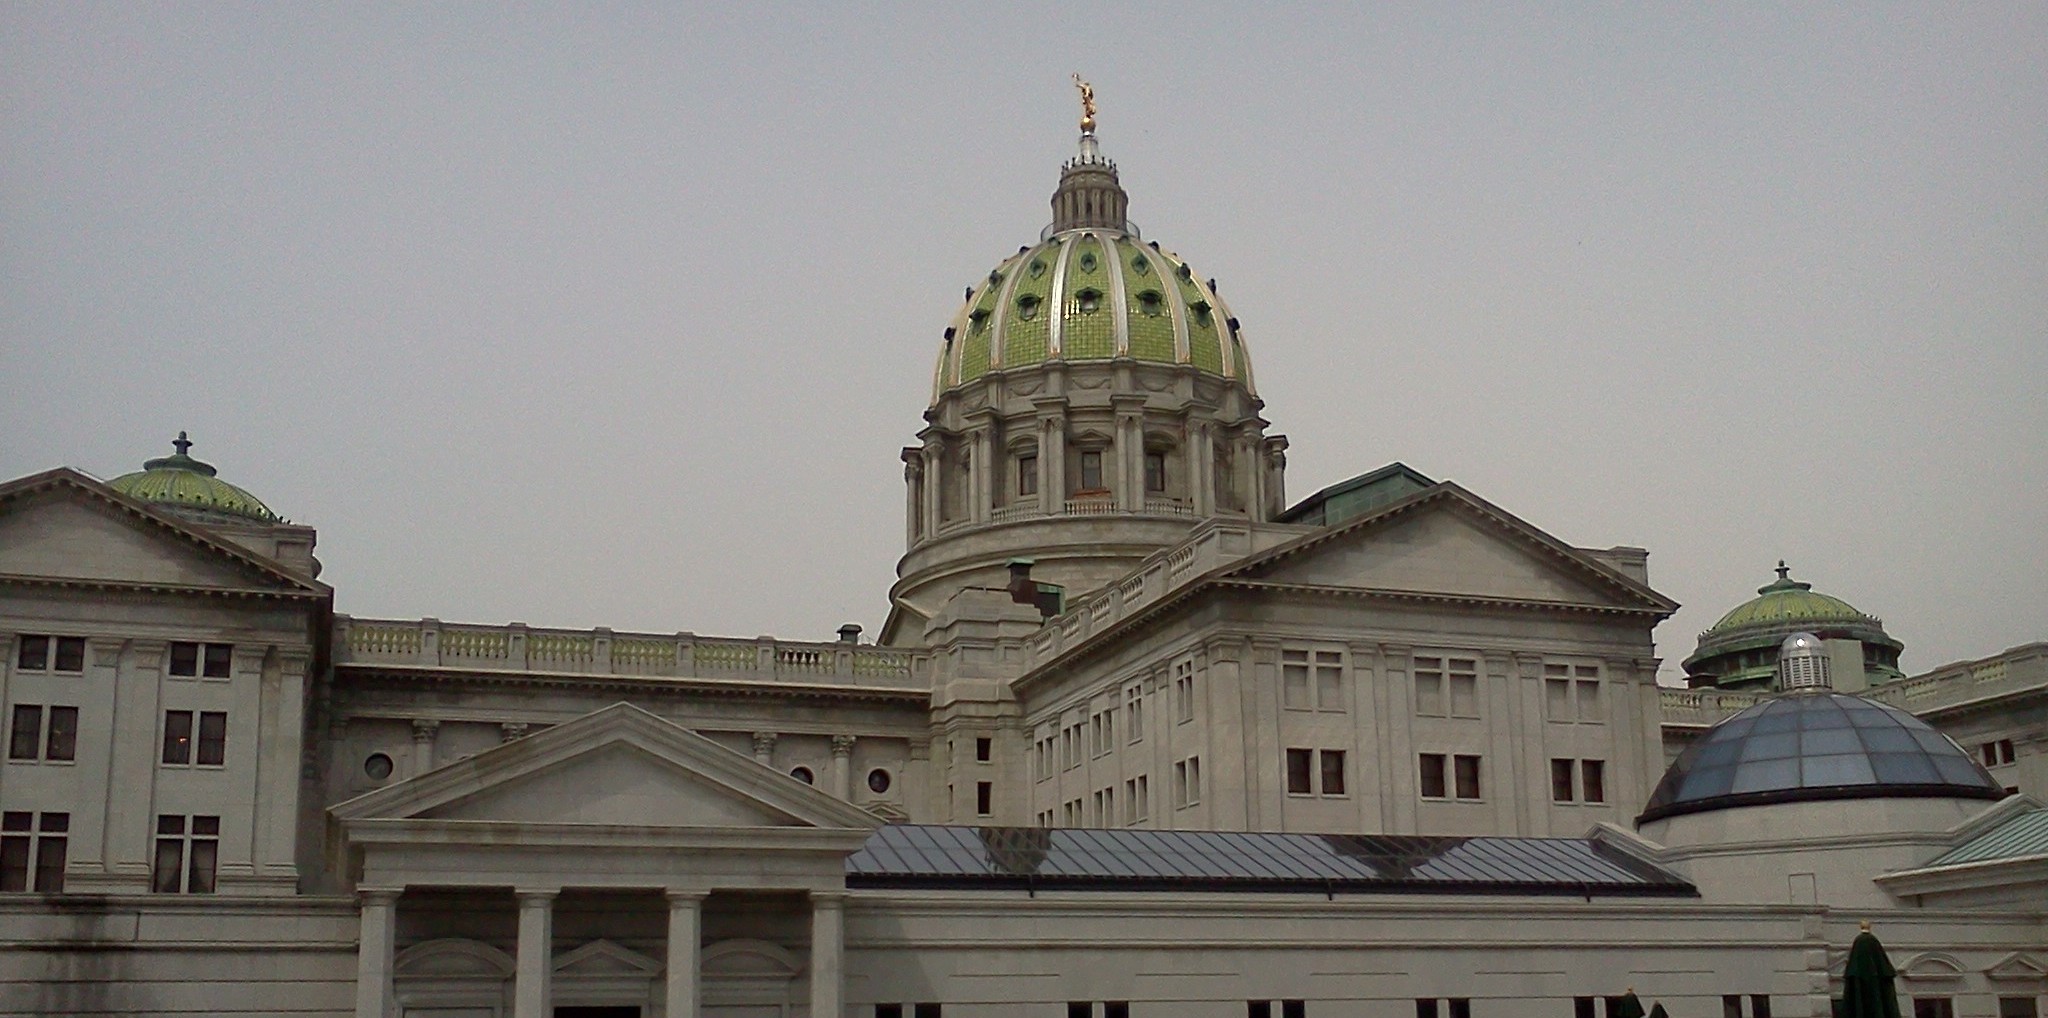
(1087, 104)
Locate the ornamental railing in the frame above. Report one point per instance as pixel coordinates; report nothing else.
(1963, 685)
(431, 643)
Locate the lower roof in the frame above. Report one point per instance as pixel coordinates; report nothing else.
(931, 856)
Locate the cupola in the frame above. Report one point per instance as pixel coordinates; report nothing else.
(189, 488)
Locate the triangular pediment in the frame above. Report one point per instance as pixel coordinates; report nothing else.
(620, 766)
(64, 527)
(604, 959)
(2018, 967)
(1447, 542)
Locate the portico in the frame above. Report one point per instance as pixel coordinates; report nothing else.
(576, 868)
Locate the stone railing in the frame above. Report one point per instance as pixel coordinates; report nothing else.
(432, 643)
(2018, 670)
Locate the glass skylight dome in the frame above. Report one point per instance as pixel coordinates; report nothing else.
(1814, 746)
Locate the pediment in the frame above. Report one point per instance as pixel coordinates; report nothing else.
(618, 767)
(1447, 542)
(453, 958)
(1931, 967)
(63, 526)
(604, 959)
(2017, 967)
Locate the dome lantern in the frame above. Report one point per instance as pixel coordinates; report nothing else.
(190, 488)
(1089, 194)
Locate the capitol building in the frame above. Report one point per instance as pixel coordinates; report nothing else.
(1141, 737)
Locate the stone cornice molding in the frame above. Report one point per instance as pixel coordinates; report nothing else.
(106, 586)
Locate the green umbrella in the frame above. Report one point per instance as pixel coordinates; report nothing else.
(1627, 1006)
(1867, 979)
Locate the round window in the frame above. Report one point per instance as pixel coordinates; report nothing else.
(878, 781)
(802, 774)
(377, 766)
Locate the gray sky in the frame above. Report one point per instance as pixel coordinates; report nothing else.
(582, 315)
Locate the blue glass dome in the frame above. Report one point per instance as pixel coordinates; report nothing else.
(1813, 746)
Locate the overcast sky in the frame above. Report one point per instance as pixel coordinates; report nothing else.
(618, 315)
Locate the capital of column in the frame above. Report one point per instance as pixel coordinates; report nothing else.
(536, 897)
(378, 896)
(685, 899)
(511, 730)
(764, 743)
(424, 729)
(842, 745)
(828, 899)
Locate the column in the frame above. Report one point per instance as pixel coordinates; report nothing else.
(1201, 457)
(764, 748)
(984, 470)
(373, 952)
(913, 496)
(828, 949)
(934, 482)
(842, 766)
(685, 925)
(536, 957)
(423, 733)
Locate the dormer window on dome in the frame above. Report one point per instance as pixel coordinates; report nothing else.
(1088, 301)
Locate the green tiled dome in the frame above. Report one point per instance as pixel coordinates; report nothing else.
(1788, 600)
(1090, 295)
(188, 487)
(1741, 649)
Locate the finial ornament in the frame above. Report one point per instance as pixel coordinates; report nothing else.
(182, 444)
(1087, 104)
(1783, 572)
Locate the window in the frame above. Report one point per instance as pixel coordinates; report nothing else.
(1187, 782)
(32, 848)
(1429, 690)
(1593, 780)
(1312, 679)
(2017, 1007)
(1591, 785)
(878, 781)
(1455, 1007)
(50, 654)
(1451, 683)
(186, 851)
(1134, 714)
(1333, 771)
(1582, 1007)
(1027, 474)
(1091, 470)
(1466, 770)
(925, 1011)
(1183, 692)
(178, 738)
(1311, 774)
(1997, 753)
(1934, 1007)
(803, 774)
(1264, 1008)
(984, 749)
(1572, 693)
(984, 798)
(1298, 763)
(1561, 785)
(211, 660)
(1433, 776)
(1137, 804)
(1155, 473)
(1759, 1005)
(29, 740)
(916, 1011)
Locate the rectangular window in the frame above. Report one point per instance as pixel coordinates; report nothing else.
(1934, 1007)
(177, 737)
(1588, 677)
(1080, 1009)
(1731, 1006)
(1429, 692)
(1329, 680)
(1997, 753)
(1464, 686)
(187, 849)
(984, 749)
(1299, 762)
(925, 1011)
(1184, 692)
(1557, 696)
(1258, 1009)
(2018, 1007)
(1460, 1007)
(1759, 1005)
(1155, 473)
(219, 656)
(185, 660)
(33, 654)
(1593, 779)
(1582, 1007)
(1294, 1009)
(32, 854)
(1466, 770)
(211, 660)
(1027, 474)
(27, 733)
(1134, 714)
(1294, 679)
(1561, 781)
(984, 798)
(1426, 1009)
(62, 743)
(1116, 1009)
(1333, 772)
(70, 655)
(213, 738)
(1433, 776)
(1091, 471)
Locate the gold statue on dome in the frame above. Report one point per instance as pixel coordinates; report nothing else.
(1087, 104)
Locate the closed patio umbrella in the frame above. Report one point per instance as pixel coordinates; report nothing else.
(1867, 979)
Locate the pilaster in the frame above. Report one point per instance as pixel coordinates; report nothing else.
(535, 957)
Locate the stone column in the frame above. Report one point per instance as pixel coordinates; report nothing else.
(913, 496)
(511, 730)
(764, 748)
(1201, 457)
(842, 766)
(983, 471)
(828, 949)
(423, 733)
(536, 956)
(373, 952)
(934, 484)
(685, 926)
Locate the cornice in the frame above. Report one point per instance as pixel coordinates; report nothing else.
(406, 674)
(135, 587)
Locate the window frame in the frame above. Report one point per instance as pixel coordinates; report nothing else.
(182, 835)
(34, 850)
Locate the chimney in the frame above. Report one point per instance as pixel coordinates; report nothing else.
(849, 633)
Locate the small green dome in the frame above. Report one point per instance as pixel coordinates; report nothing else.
(189, 488)
(1091, 295)
(1741, 649)
(1788, 600)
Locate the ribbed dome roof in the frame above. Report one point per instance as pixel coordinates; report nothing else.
(1788, 601)
(1781, 608)
(1091, 294)
(190, 488)
(1814, 746)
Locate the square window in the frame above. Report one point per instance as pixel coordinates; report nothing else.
(1433, 776)
(1460, 1007)
(1298, 764)
(33, 655)
(1425, 1009)
(888, 1011)
(1080, 1009)
(1934, 1007)
(219, 658)
(1116, 1009)
(70, 654)
(925, 1011)
(1467, 773)
(1333, 772)
(185, 660)
(1258, 1009)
